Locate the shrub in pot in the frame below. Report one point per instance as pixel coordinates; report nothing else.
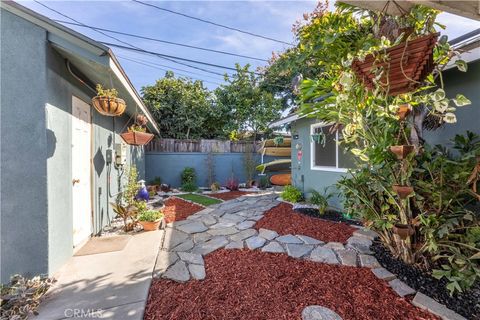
(137, 133)
(150, 219)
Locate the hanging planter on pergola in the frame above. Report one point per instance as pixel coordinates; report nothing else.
(405, 65)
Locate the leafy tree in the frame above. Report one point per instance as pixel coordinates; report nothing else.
(251, 107)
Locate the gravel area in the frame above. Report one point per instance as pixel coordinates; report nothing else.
(177, 209)
(284, 220)
(243, 284)
(329, 215)
(228, 195)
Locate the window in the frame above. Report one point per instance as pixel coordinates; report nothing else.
(326, 154)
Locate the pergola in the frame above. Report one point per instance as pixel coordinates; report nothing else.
(467, 9)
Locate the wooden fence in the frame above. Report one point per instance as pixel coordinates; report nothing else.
(203, 145)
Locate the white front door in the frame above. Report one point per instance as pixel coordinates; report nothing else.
(81, 181)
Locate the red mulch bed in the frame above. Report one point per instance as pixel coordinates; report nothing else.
(284, 220)
(246, 285)
(178, 209)
(228, 195)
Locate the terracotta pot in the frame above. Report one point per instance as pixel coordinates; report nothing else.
(403, 111)
(408, 64)
(136, 138)
(403, 230)
(109, 106)
(151, 225)
(402, 151)
(402, 191)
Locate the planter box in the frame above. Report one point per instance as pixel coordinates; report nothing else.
(136, 138)
(111, 107)
(414, 57)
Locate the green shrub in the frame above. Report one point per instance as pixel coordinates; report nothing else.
(189, 187)
(321, 199)
(150, 215)
(188, 176)
(291, 194)
(156, 181)
(264, 182)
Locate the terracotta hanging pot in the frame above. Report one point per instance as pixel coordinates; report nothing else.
(403, 230)
(402, 151)
(109, 106)
(406, 65)
(136, 138)
(402, 191)
(403, 111)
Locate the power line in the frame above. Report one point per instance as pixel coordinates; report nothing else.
(162, 41)
(212, 23)
(155, 67)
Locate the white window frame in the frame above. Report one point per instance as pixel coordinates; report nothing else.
(312, 150)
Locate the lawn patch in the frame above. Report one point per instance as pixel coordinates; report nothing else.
(197, 198)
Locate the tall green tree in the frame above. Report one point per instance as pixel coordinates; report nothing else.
(251, 107)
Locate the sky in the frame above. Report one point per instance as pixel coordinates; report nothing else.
(268, 18)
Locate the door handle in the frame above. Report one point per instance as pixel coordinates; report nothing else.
(75, 181)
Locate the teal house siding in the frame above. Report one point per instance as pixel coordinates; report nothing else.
(36, 148)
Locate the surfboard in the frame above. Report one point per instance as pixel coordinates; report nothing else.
(287, 142)
(276, 151)
(275, 166)
(281, 179)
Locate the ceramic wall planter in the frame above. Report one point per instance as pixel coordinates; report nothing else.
(407, 65)
(403, 230)
(108, 106)
(402, 151)
(136, 138)
(402, 191)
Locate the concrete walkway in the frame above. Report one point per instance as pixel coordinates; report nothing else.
(111, 285)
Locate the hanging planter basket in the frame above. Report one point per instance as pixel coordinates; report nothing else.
(109, 106)
(403, 230)
(402, 191)
(136, 138)
(402, 151)
(406, 65)
(403, 111)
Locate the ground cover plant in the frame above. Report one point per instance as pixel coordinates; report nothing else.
(291, 194)
(203, 200)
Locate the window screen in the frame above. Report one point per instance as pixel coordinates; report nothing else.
(325, 152)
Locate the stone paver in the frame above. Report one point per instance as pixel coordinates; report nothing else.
(177, 272)
(255, 242)
(361, 244)
(273, 247)
(347, 257)
(244, 234)
(289, 238)
(193, 227)
(401, 288)
(223, 232)
(422, 301)
(368, 261)
(319, 313)
(221, 225)
(298, 250)
(335, 246)
(184, 246)
(191, 257)
(235, 245)
(211, 245)
(309, 240)
(366, 233)
(324, 255)
(384, 274)
(164, 260)
(245, 225)
(267, 234)
(197, 271)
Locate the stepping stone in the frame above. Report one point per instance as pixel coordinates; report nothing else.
(401, 288)
(197, 271)
(176, 224)
(366, 233)
(234, 245)
(325, 255)
(233, 218)
(425, 302)
(245, 213)
(335, 246)
(193, 227)
(319, 313)
(173, 238)
(217, 213)
(298, 250)
(368, 261)
(256, 218)
(384, 274)
(347, 257)
(191, 257)
(178, 272)
(202, 237)
(164, 260)
(245, 225)
(267, 234)
(223, 231)
(210, 246)
(208, 220)
(289, 239)
(184, 246)
(273, 247)
(222, 225)
(362, 245)
(309, 240)
(255, 242)
(245, 234)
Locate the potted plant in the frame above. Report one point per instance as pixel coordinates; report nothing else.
(402, 191)
(150, 219)
(215, 187)
(403, 230)
(402, 151)
(107, 103)
(137, 133)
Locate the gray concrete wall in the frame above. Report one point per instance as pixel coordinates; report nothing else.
(24, 224)
(169, 166)
(36, 163)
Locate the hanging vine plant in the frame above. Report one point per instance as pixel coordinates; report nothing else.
(137, 134)
(107, 103)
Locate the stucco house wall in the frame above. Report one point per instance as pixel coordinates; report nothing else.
(36, 156)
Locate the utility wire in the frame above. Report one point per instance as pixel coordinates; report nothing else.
(212, 23)
(162, 41)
